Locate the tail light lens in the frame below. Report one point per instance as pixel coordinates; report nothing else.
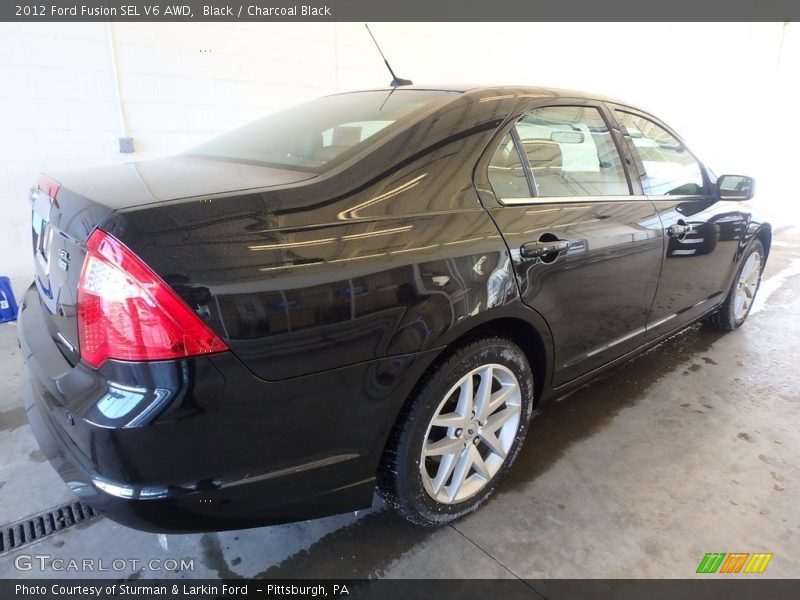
(126, 312)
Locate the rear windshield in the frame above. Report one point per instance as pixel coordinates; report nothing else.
(316, 135)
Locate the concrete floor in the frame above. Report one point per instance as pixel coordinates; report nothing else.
(691, 448)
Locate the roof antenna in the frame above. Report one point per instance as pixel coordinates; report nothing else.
(396, 81)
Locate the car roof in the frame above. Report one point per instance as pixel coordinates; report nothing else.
(484, 90)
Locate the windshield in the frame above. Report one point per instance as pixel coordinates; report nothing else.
(315, 135)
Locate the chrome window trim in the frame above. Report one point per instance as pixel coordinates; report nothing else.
(666, 198)
(576, 199)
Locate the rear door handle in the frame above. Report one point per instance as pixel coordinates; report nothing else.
(539, 249)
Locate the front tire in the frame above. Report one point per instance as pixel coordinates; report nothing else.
(737, 305)
(459, 434)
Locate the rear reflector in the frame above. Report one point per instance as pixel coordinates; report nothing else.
(126, 312)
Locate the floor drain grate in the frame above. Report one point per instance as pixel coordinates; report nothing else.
(40, 526)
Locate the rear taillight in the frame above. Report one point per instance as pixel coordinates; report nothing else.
(126, 312)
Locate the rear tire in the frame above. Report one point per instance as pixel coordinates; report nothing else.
(459, 434)
(737, 305)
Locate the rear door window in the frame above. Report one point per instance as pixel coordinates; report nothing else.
(570, 152)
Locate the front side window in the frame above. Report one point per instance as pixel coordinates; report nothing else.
(571, 152)
(318, 134)
(670, 169)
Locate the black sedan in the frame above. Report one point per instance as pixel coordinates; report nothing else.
(371, 288)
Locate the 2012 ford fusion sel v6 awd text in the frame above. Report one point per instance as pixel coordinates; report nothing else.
(371, 288)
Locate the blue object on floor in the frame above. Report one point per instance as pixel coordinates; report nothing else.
(8, 306)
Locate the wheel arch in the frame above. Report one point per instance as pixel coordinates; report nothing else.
(520, 332)
(764, 235)
(761, 233)
(520, 325)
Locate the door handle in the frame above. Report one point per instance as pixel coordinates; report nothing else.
(676, 230)
(679, 229)
(539, 249)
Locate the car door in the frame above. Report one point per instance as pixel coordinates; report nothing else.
(701, 233)
(585, 244)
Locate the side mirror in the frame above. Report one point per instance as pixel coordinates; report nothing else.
(736, 187)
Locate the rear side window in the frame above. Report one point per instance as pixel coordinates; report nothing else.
(571, 152)
(670, 169)
(318, 134)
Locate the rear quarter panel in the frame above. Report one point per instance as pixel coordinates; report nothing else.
(379, 258)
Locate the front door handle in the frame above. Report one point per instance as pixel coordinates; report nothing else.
(679, 229)
(539, 249)
(676, 230)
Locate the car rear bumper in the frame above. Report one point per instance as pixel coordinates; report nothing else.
(183, 510)
(223, 449)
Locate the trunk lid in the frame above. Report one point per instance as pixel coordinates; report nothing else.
(69, 206)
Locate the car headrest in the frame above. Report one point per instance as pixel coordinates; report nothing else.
(344, 135)
(543, 154)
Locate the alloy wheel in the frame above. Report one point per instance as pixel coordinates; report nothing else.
(747, 286)
(471, 433)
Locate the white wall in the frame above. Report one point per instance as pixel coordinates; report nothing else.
(726, 86)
